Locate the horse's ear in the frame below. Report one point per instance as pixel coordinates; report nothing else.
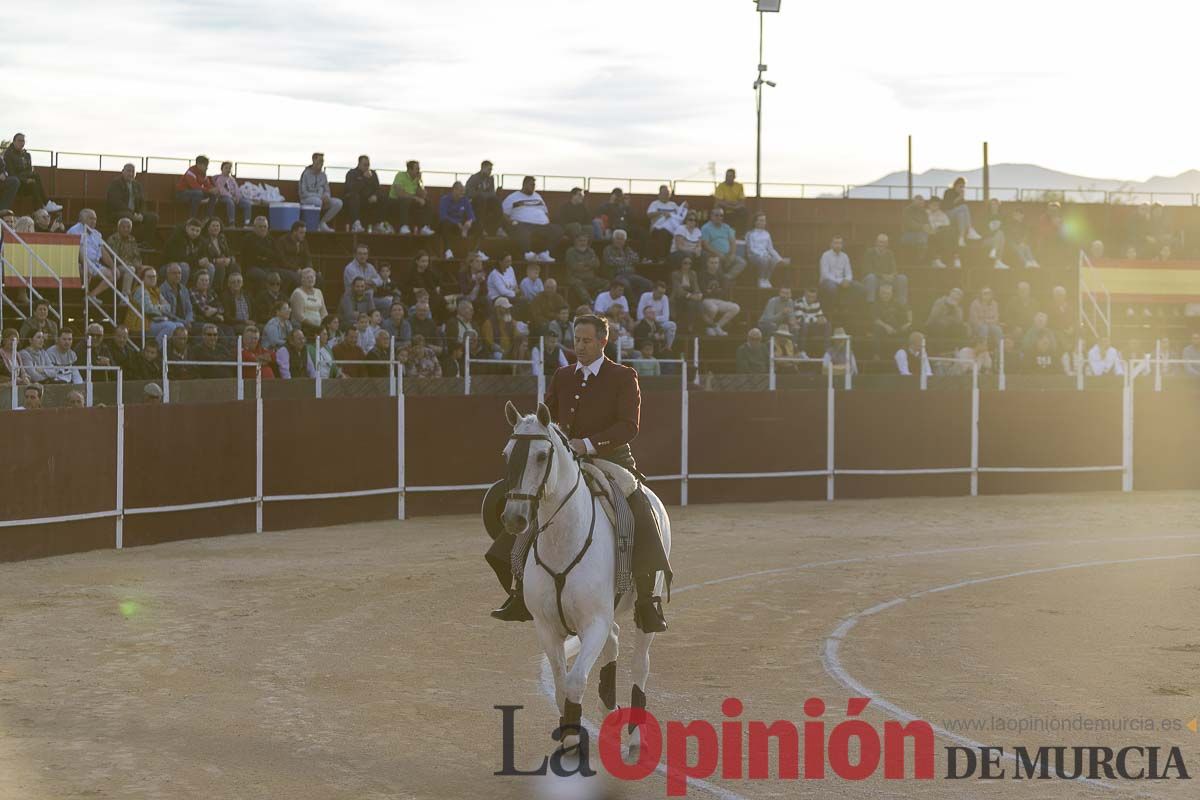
(511, 413)
(543, 415)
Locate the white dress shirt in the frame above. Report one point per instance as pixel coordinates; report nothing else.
(836, 267)
(589, 371)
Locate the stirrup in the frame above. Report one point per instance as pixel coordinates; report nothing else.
(648, 615)
(513, 610)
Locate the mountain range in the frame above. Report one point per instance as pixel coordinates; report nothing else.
(1005, 179)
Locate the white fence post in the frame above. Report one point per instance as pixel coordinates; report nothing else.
(1127, 434)
(391, 366)
(467, 364)
(975, 428)
(771, 364)
(87, 390)
(258, 450)
(849, 379)
(241, 390)
(830, 433)
(401, 510)
(120, 531)
(1158, 360)
(16, 368)
(166, 387)
(1001, 378)
(1079, 362)
(539, 369)
(696, 359)
(924, 367)
(683, 428)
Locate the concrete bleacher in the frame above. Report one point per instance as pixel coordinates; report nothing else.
(801, 228)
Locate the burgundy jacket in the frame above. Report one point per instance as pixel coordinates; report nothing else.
(605, 408)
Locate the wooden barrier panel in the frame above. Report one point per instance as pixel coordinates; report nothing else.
(1166, 440)
(1050, 429)
(898, 431)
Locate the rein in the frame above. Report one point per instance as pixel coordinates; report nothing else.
(560, 578)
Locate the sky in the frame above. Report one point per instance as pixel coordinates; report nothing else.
(648, 89)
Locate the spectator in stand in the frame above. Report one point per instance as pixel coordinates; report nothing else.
(837, 286)
(616, 215)
(207, 307)
(779, 311)
(761, 252)
(292, 253)
(1039, 328)
(195, 190)
(261, 257)
(583, 271)
(1191, 354)
(11, 369)
(717, 307)
(1014, 240)
(24, 225)
(218, 252)
(954, 203)
(719, 239)
(75, 400)
(361, 267)
(664, 219)
(972, 355)
(730, 197)
(687, 296)
(1042, 357)
(455, 219)
(426, 276)
(556, 355)
(839, 357)
(410, 203)
(293, 359)
(254, 353)
(1104, 359)
(574, 215)
(35, 359)
(613, 296)
(1021, 310)
(423, 361)
(621, 261)
(92, 349)
(544, 308)
(314, 191)
(1053, 240)
(122, 242)
(356, 300)
(32, 395)
(43, 223)
(146, 365)
(268, 299)
(229, 194)
(688, 240)
(910, 360)
(423, 324)
(187, 250)
(40, 321)
(176, 294)
(461, 333)
(984, 316)
(94, 260)
(9, 186)
(158, 321)
(236, 304)
(365, 203)
(472, 283)
(879, 264)
(943, 239)
(209, 349)
(810, 320)
(946, 322)
(178, 351)
(752, 357)
(658, 300)
(915, 228)
(126, 198)
(308, 302)
(502, 337)
(531, 284)
(397, 326)
(1062, 314)
(562, 327)
(481, 191)
(650, 331)
(891, 321)
(381, 351)
(643, 360)
(529, 221)
(502, 282)
(349, 349)
(387, 290)
(19, 164)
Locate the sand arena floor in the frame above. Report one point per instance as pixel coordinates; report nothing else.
(359, 661)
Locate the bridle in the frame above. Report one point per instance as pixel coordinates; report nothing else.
(560, 578)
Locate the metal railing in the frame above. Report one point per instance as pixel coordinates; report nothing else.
(1090, 312)
(119, 299)
(7, 234)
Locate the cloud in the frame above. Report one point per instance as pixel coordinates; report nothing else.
(959, 91)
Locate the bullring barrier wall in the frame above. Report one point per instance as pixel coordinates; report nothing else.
(82, 479)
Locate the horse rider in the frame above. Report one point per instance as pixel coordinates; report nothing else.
(597, 403)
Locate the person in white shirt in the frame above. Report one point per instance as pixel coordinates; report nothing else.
(94, 259)
(661, 303)
(1104, 359)
(761, 252)
(910, 358)
(664, 219)
(314, 191)
(615, 296)
(837, 286)
(360, 267)
(502, 282)
(529, 220)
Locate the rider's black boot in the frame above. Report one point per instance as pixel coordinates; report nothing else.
(514, 609)
(647, 613)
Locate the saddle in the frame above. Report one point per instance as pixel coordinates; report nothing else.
(602, 478)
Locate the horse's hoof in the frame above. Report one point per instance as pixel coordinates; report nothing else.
(608, 685)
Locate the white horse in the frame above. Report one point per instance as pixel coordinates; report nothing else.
(576, 543)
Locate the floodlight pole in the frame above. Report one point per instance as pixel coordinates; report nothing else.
(758, 92)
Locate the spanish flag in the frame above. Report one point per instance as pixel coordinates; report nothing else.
(42, 257)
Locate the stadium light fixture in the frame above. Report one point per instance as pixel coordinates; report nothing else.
(769, 5)
(763, 7)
